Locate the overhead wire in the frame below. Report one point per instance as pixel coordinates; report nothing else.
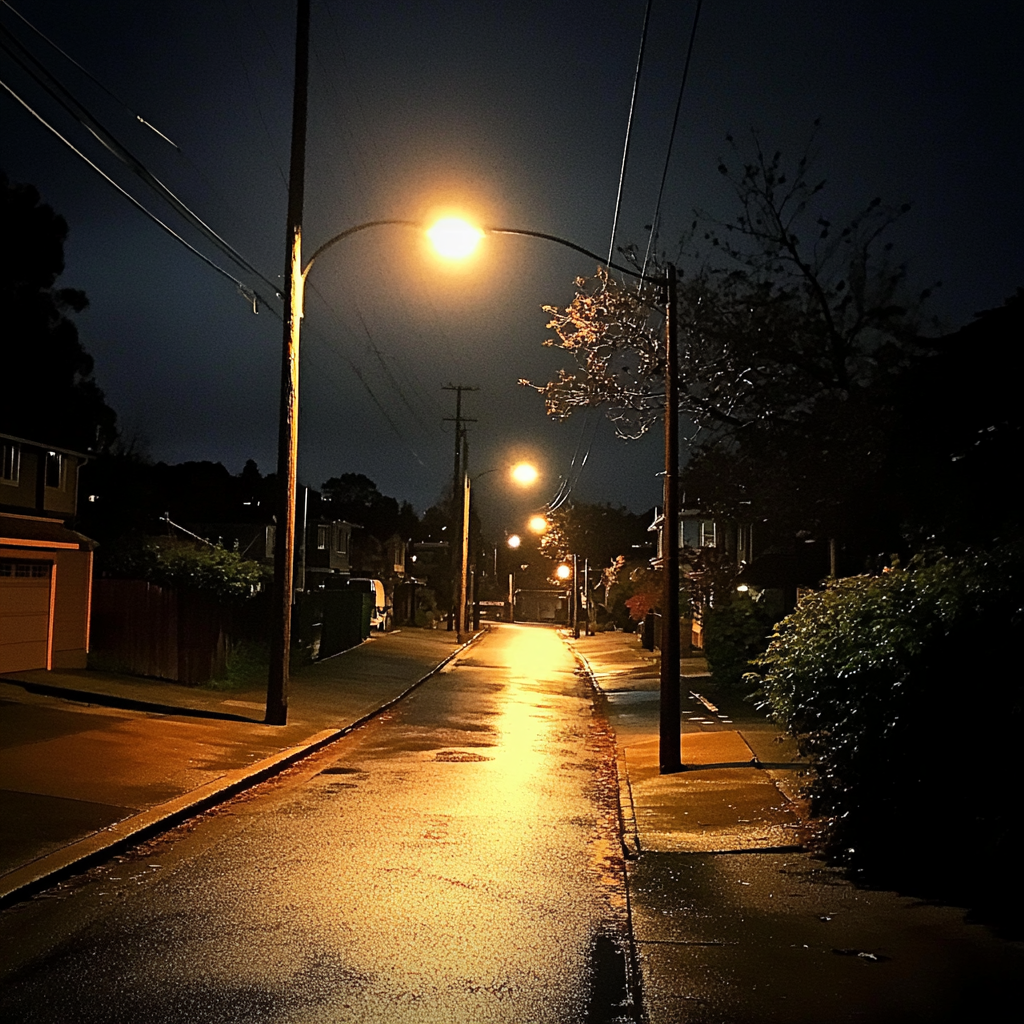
(67, 56)
(249, 293)
(568, 482)
(57, 91)
(629, 128)
(138, 117)
(346, 357)
(655, 220)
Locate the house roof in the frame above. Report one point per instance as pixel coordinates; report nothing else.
(45, 447)
(34, 532)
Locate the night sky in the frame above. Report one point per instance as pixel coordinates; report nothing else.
(514, 113)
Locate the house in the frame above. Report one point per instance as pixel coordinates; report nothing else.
(45, 568)
(706, 544)
(328, 551)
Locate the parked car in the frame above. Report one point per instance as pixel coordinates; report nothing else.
(380, 613)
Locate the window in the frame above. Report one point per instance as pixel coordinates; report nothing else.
(322, 535)
(25, 570)
(707, 534)
(54, 469)
(10, 462)
(342, 543)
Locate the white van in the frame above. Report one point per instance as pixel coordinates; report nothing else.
(379, 612)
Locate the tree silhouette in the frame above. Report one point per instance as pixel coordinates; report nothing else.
(50, 394)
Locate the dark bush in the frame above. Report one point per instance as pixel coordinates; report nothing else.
(185, 565)
(735, 633)
(905, 692)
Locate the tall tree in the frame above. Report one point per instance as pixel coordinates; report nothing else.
(51, 395)
(792, 331)
(599, 533)
(355, 498)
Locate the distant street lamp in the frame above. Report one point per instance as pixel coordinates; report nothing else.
(524, 474)
(538, 524)
(514, 541)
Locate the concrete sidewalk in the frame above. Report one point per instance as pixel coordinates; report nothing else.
(93, 762)
(740, 789)
(733, 921)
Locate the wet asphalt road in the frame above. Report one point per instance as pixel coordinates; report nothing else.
(455, 860)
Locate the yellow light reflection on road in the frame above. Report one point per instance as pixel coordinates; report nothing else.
(525, 721)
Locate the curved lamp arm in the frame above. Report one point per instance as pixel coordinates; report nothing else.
(661, 279)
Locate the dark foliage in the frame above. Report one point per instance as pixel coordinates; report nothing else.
(125, 494)
(903, 691)
(599, 533)
(735, 633)
(183, 565)
(356, 499)
(51, 396)
(957, 441)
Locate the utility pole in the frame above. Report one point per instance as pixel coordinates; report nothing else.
(669, 746)
(458, 475)
(288, 437)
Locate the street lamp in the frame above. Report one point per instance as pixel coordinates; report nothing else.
(287, 461)
(538, 524)
(456, 239)
(514, 541)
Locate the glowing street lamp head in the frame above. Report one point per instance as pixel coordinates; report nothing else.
(524, 474)
(563, 572)
(453, 238)
(538, 524)
(514, 541)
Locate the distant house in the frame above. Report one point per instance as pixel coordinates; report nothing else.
(698, 531)
(727, 541)
(328, 551)
(45, 568)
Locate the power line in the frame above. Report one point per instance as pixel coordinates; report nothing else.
(569, 481)
(46, 39)
(32, 66)
(672, 136)
(250, 294)
(629, 129)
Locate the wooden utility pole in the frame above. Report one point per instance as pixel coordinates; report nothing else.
(288, 436)
(669, 739)
(459, 470)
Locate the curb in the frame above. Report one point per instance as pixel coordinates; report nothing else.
(42, 873)
(629, 839)
(629, 835)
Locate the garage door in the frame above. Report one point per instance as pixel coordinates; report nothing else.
(24, 615)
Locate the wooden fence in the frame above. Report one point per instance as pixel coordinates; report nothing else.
(147, 630)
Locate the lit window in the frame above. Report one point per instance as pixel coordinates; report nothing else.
(10, 462)
(707, 534)
(322, 534)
